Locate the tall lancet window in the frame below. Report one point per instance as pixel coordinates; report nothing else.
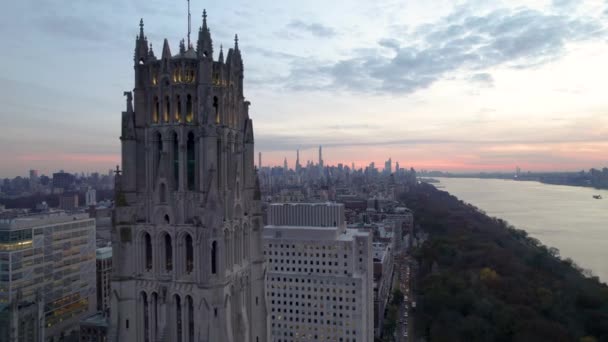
(214, 257)
(189, 109)
(216, 109)
(178, 318)
(190, 308)
(146, 315)
(189, 254)
(155, 110)
(178, 109)
(148, 251)
(167, 109)
(168, 253)
(158, 142)
(191, 161)
(175, 161)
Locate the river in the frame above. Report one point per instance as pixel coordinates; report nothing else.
(565, 217)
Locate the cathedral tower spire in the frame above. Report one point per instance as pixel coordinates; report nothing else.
(204, 45)
(141, 45)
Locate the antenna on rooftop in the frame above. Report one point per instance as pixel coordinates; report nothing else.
(189, 25)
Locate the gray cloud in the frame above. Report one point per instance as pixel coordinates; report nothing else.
(389, 43)
(522, 38)
(315, 29)
(483, 79)
(566, 4)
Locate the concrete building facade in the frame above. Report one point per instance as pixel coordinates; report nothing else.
(187, 236)
(47, 276)
(319, 281)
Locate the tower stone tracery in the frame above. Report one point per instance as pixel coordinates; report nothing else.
(187, 229)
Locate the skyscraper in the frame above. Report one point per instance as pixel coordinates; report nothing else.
(320, 156)
(187, 243)
(298, 166)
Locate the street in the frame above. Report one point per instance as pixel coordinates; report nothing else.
(405, 321)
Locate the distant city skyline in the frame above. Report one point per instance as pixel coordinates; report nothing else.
(441, 85)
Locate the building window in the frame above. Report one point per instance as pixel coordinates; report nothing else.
(189, 109)
(178, 314)
(144, 299)
(167, 109)
(191, 161)
(214, 257)
(163, 193)
(155, 312)
(178, 109)
(159, 149)
(190, 306)
(155, 110)
(216, 108)
(219, 164)
(175, 161)
(168, 253)
(189, 254)
(148, 251)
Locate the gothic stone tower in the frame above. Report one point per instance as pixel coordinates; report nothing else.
(187, 248)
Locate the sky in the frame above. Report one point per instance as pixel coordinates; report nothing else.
(447, 85)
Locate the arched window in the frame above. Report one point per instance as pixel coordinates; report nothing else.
(146, 315)
(167, 109)
(189, 254)
(155, 110)
(190, 308)
(168, 253)
(214, 257)
(175, 161)
(178, 316)
(191, 161)
(178, 109)
(189, 110)
(148, 251)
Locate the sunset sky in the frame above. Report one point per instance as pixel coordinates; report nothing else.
(440, 84)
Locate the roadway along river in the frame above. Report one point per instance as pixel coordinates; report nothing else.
(565, 217)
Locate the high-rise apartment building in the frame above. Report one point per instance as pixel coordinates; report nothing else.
(103, 257)
(47, 276)
(91, 197)
(187, 240)
(319, 283)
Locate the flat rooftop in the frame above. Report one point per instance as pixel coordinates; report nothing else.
(37, 220)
